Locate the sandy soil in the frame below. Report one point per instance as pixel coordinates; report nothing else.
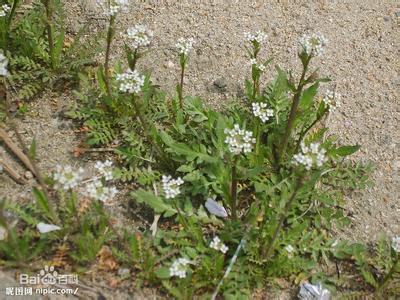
(362, 58)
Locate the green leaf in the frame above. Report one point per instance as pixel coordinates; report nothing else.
(308, 95)
(162, 273)
(58, 47)
(345, 150)
(43, 203)
(369, 278)
(156, 203)
(32, 150)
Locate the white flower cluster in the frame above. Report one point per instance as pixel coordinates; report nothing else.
(138, 36)
(290, 250)
(260, 110)
(178, 268)
(254, 62)
(184, 46)
(66, 178)
(396, 243)
(130, 82)
(313, 44)
(239, 140)
(105, 169)
(3, 65)
(112, 7)
(171, 186)
(310, 155)
(97, 191)
(332, 100)
(4, 10)
(218, 245)
(258, 37)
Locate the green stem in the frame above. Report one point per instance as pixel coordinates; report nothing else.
(180, 89)
(388, 276)
(49, 30)
(234, 189)
(258, 139)
(110, 35)
(146, 127)
(282, 218)
(8, 24)
(303, 133)
(180, 215)
(293, 112)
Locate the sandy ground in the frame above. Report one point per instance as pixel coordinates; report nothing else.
(362, 58)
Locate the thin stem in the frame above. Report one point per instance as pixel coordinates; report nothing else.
(229, 269)
(110, 34)
(258, 139)
(180, 89)
(254, 89)
(282, 218)
(49, 30)
(293, 112)
(145, 127)
(388, 276)
(234, 190)
(303, 134)
(180, 215)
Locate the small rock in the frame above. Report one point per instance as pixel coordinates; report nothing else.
(28, 175)
(220, 85)
(397, 14)
(124, 272)
(386, 19)
(169, 65)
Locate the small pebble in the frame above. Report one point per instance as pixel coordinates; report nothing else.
(28, 175)
(124, 272)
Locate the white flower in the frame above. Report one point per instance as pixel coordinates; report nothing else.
(3, 65)
(313, 44)
(130, 82)
(45, 228)
(254, 62)
(258, 37)
(260, 110)
(171, 186)
(4, 9)
(332, 100)
(138, 36)
(66, 178)
(184, 46)
(289, 248)
(112, 7)
(105, 169)
(310, 156)
(239, 140)
(396, 243)
(309, 291)
(178, 268)
(218, 245)
(97, 191)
